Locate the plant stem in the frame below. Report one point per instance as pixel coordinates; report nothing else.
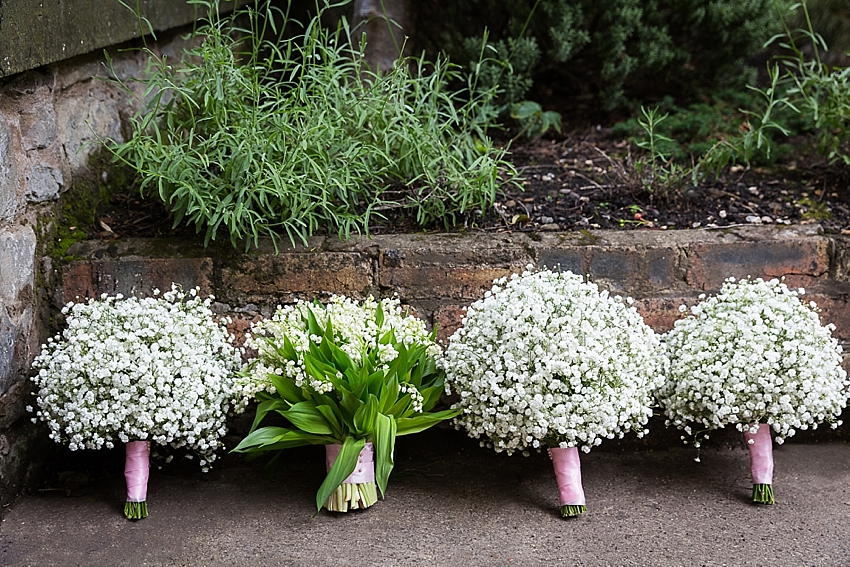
(572, 511)
(352, 497)
(763, 493)
(136, 510)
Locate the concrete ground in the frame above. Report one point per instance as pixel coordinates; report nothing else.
(451, 502)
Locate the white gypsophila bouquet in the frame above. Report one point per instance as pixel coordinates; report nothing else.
(158, 369)
(754, 353)
(357, 331)
(546, 358)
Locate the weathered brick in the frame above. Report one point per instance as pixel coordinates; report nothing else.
(801, 261)
(84, 279)
(448, 319)
(442, 282)
(835, 310)
(287, 277)
(661, 313)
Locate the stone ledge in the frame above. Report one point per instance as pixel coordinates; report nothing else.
(441, 274)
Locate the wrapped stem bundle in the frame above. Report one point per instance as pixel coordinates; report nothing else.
(760, 445)
(359, 490)
(567, 464)
(136, 473)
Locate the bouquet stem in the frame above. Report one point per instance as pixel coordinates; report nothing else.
(760, 445)
(359, 490)
(136, 473)
(568, 474)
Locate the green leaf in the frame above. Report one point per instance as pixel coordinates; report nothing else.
(408, 425)
(525, 109)
(344, 465)
(389, 394)
(384, 441)
(364, 419)
(272, 438)
(274, 404)
(307, 418)
(334, 419)
(287, 389)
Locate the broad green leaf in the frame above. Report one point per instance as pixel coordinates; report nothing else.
(389, 394)
(272, 438)
(287, 389)
(364, 419)
(306, 417)
(525, 109)
(331, 414)
(401, 406)
(312, 324)
(384, 441)
(379, 315)
(344, 465)
(409, 425)
(274, 404)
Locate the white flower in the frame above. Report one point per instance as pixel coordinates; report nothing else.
(357, 332)
(754, 353)
(158, 368)
(547, 358)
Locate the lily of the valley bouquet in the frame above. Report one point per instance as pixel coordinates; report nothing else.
(757, 357)
(547, 359)
(136, 371)
(351, 376)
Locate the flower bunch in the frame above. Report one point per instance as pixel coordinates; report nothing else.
(349, 375)
(754, 353)
(357, 327)
(546, 358)
(157, 369)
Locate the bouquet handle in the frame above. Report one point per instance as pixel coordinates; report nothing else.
(760, 445)
(567, 466)
(136, 474)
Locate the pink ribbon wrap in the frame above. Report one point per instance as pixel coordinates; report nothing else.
(761, 454)
(137, 469)
(568, 474)
(365, 469)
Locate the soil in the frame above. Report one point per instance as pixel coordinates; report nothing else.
(587, 179)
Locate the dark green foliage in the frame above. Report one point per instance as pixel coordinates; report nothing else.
(620, 48)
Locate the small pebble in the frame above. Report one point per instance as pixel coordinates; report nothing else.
(696, 224)
(722, 214)
(753, 219)
(551, 226)
(766, 220)
(546, 220)
(753, 189)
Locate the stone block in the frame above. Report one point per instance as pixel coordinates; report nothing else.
(17, 263)
(43, 183)
(286, 277)
(447, 282)
(131, 277)
(801, 261)
(38, 124)
(8, 172)
(85, 113)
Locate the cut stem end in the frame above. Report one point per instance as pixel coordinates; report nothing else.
(136, 510)
(352, 497)
(571, 511)
(763, 493)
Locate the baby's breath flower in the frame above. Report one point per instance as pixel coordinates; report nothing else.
(157, 368)
(548, 358)
(754, 353)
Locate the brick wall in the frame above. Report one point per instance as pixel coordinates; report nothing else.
(441, 274)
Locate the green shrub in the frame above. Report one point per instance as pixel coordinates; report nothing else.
(260, 134)
(619, 48)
